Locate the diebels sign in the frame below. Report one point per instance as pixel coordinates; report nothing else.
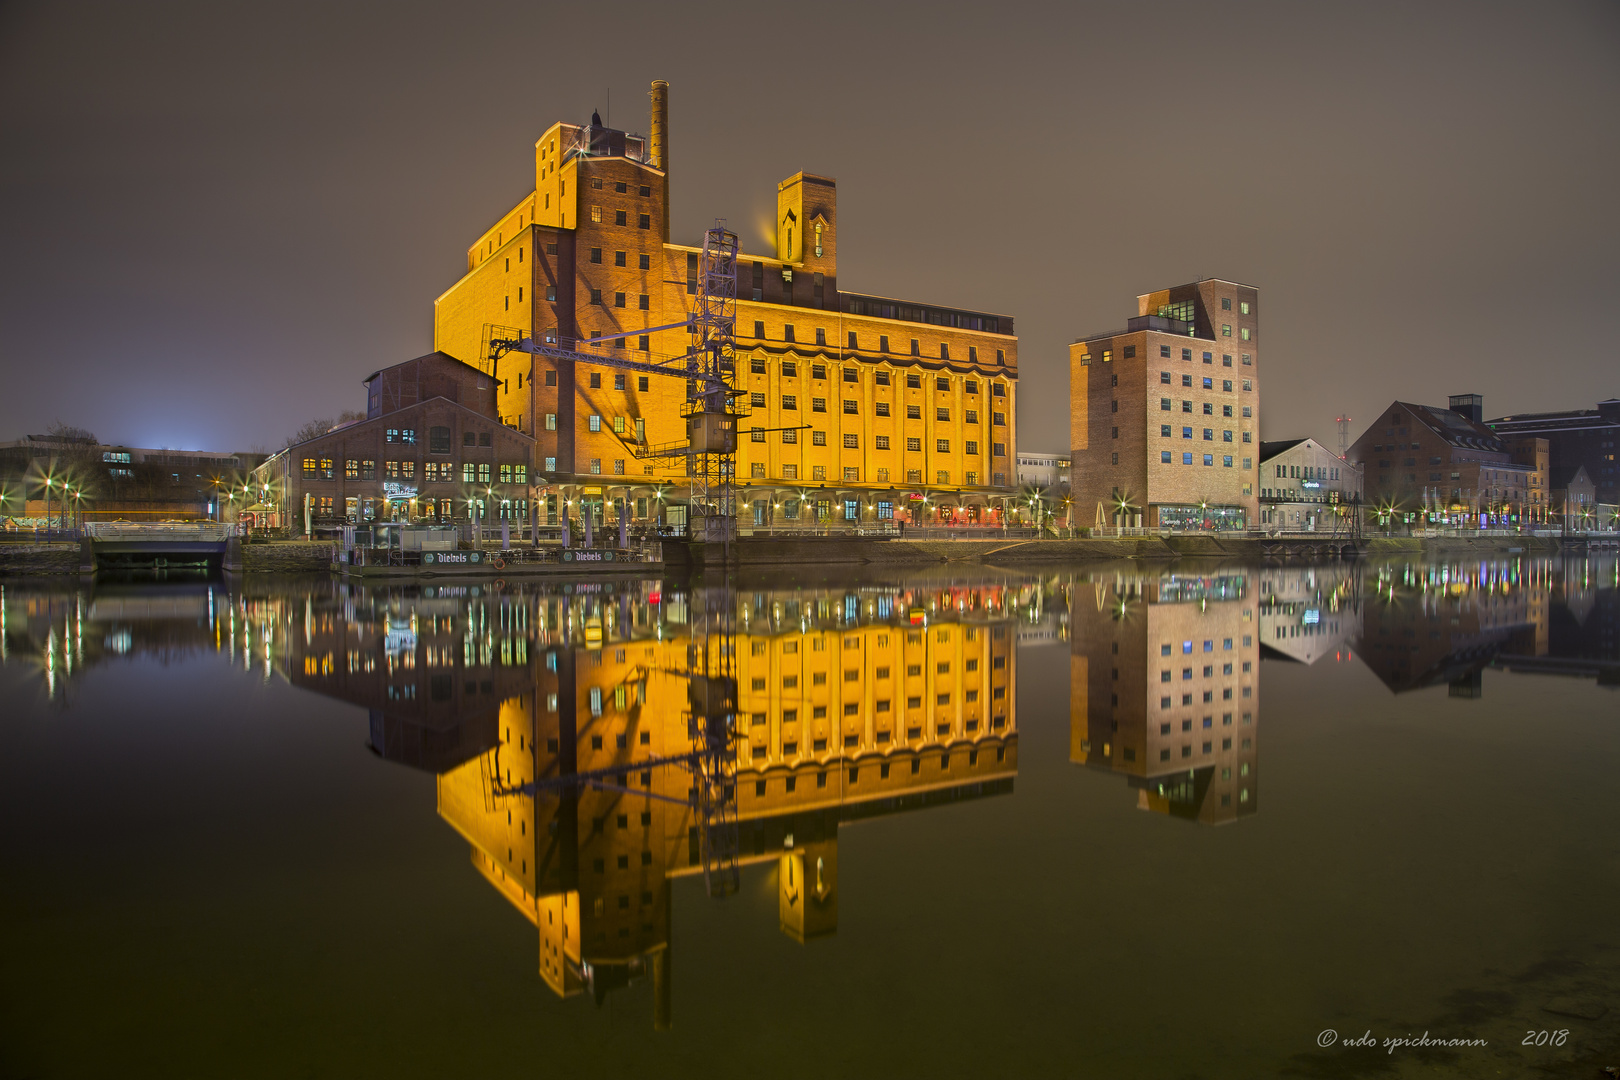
(452, 558)
(586, 555)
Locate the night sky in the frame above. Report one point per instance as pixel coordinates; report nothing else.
(215, 219)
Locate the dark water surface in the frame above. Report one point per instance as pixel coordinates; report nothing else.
(1119, 820)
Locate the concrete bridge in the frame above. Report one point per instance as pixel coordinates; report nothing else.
(124, 543)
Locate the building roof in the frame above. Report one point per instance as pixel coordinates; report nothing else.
(1277, 446)
(435, 355)
(1560, 479)
(1455, 428)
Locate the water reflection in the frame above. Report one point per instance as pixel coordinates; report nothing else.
(597, 742)
(593, 746)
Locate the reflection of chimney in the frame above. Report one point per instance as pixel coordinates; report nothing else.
(660, 972)
(660, 140)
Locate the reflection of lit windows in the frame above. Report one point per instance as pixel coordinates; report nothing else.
(596, 701)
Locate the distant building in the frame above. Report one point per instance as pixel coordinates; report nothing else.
(133, 482)
(1163, 415)
(1304, 486)
(1444, 466)
(1045, 471)
(1577, 438)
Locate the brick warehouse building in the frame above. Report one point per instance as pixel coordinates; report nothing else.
(1164, 414)
(896, 402)
(431, 448)
(1445, 466)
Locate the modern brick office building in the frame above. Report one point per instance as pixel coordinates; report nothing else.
(1165, 414)
(892, 402)
(1446, 467)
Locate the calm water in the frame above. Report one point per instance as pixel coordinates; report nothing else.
(1118, 820)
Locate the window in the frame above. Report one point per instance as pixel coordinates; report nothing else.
(851, 407)
(551, 421)
(643, 221)
(942, 415)
(642, 301)
(818, 438)
(942, 446)
(595, 422)
(913, 412)
(1209, 459)
(1247, 385)
(1226, 384)
(790, 369)
(1226, 303)
(756, 400)
(882, 444)
(351, 469)
(942, 477)
(818, 404)
(881, 408)
(759, 328)
(618, 380)
(972, 447)
(596, 380)
(1226, 330)
(790, 436)
(970, 416)
(1186, 459)
(790, 402)
(916, 347)
(852, 442)
(998, 450)
(914, 445)
(1244, 333)
(645, 261)
(1164, 457)
(439, 440)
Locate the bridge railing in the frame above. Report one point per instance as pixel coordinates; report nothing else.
(205, 532)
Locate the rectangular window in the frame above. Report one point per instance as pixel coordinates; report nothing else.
(851, 407)
(818, 404)
(914, 445)
(942, 415)
(852, 442)
(818, 438)
(790, 402)
(942, 446)
(972, 447)
(882, 442)
(881, 408)
(759, 328)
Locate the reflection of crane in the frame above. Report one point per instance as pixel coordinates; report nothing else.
(713, 403)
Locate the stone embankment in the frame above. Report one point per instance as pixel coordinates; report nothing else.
(279, 557)
(17, 560)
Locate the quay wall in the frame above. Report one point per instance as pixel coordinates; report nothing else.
(18, 560)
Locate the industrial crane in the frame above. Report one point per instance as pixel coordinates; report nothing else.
(712, 409)
(713, 404)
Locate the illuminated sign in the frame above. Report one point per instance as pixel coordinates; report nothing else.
(1311, 617)
(451, 558)
(393, 489)
(1310, 484)
(586, 555)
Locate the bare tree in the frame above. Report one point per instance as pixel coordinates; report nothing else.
(314, 429)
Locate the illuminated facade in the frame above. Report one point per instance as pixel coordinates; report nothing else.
(861, 406)
(1164, 416)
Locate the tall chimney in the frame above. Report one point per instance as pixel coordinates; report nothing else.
(660, 141)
